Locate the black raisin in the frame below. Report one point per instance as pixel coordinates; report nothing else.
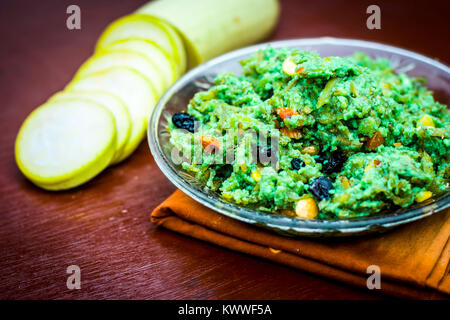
(184, 121)
(335, 162)
(320, 159)
(224, 171)
(320, 187)
(297, 163)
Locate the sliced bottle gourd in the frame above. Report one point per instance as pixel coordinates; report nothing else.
(107, 59)
(63, 144)
(114, 104)
(133, 89)
(212, 27)
(152, 51)
(141, 26)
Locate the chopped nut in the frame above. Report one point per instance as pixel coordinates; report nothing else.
(291, 133)
(372, 164)
(256, 175)
(341, 198)
(426, 121)
(284, 113)
(345, 182)
(289, 67)
(307, 208)
(424, 195)
(312, 150)
(227, 196)
(210, 142)
(376, 141)
(343, 140)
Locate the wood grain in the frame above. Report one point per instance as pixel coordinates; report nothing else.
(103, 226)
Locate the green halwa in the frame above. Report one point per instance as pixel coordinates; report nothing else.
(380, 138)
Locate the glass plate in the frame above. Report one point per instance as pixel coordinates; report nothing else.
(201, 78)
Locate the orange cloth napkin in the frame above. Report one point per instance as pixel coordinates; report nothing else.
(413, 259)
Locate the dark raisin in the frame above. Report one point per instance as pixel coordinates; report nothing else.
(224, 171)
(320, 187)
(184, 121)
(320, 159)
(297, 163)
(335, 162)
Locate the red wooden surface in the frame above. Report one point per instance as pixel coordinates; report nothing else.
(103, 226)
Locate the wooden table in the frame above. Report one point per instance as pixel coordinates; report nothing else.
(103, 226)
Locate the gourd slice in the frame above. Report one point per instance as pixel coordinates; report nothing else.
(133, 88)
(114, 104)
(62, 140)
(107, 59)
(154, 52)
(142, 26)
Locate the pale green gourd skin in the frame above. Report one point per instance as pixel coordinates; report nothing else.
(366, 97)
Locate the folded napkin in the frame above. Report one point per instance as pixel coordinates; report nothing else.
(413, 259)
